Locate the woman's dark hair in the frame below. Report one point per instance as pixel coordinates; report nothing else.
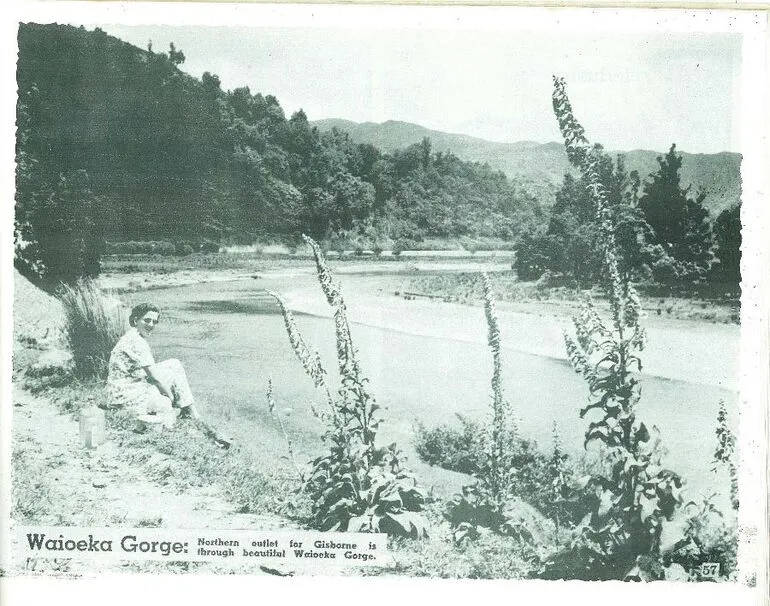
(139, 311)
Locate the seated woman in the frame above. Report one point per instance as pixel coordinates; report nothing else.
(139, 384)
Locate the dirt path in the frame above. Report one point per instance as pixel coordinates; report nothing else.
(69, 485)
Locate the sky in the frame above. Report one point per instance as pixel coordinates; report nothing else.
(630, 90)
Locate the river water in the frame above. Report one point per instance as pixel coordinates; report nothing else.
(428, 361)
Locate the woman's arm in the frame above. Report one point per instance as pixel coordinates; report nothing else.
(158, 382)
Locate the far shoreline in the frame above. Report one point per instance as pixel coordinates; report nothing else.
(409, 277)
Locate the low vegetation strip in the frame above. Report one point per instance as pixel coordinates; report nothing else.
(709, 303)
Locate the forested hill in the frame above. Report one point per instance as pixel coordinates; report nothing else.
(118, 140)
(547, 163)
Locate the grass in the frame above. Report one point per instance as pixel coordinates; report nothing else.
(30, 495)
(93, 323)
(189, 459)
(491, 556)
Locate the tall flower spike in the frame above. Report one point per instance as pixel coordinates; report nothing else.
(328, 285)
(493, 338)
(269, 395)
(310, 360)
(586, 158)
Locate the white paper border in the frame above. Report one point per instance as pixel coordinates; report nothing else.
(755, 363)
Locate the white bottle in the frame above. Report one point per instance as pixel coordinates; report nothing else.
(92, 432)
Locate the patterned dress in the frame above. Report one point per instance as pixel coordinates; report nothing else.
(127, 380)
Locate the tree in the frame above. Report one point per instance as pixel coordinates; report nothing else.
(727, 229)
(680, 225)
(28, 180)
(571, 245)
(67, 227)
(176, 57)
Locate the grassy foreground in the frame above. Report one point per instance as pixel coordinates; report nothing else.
(186, 463)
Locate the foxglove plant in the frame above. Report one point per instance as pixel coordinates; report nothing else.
(725, 452)
(502, 439)
(636, 495)
(484, 502)
(358, 486)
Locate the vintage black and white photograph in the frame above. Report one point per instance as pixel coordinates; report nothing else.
(468, 280)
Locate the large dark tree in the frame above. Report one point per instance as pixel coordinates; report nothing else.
(680, 224)
(58, 229)
(727, 229)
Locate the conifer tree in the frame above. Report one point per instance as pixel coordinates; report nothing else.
(680, 224)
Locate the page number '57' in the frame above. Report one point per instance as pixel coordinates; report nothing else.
(709, 570)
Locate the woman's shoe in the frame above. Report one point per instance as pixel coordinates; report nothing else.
(189, 412)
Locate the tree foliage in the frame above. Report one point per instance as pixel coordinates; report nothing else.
(662, 234)
(173, 157)
(170, 157)
(680, 225)
(727, 230)
(58, 225)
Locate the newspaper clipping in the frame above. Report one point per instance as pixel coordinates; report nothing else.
(386, 291)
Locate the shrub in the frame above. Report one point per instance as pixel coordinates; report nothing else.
(707, 537)
(148, 247)
(357, 486)
(209, 247)
(93, 323)
(532, 256)
(451, 448)
(182, 249)
(401, 245)
(550, 483)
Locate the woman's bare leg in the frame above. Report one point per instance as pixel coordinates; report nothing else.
(173, 374)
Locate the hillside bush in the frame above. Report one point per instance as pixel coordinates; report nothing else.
(358, 486)
(93, 323)
(149, 247)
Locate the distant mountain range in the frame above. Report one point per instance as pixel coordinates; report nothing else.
(543, 165)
